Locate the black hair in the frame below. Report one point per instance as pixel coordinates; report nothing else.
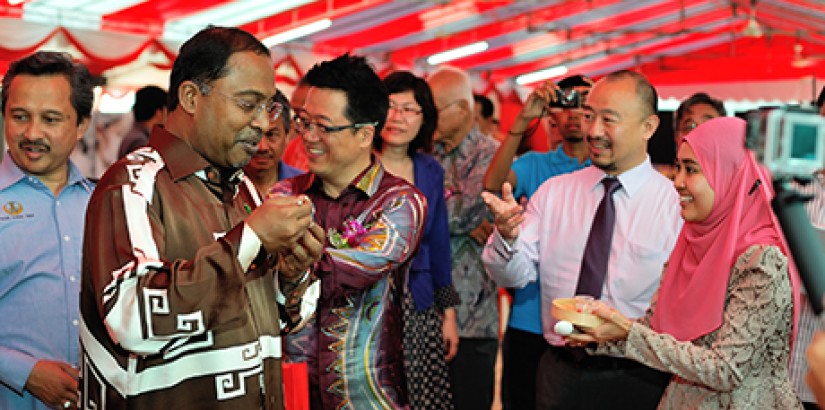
(367, 99)
(698, 98)
(148, 100)
(577, 80)
(487, 108)
(401, 81)
(203, 57)
(45, 63)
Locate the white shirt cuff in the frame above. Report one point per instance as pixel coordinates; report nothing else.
(249, 247)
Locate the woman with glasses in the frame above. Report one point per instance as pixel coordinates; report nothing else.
(430, 332)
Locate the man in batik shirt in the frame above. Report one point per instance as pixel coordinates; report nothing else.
(180, 302)
(374, 222)
(465, 153)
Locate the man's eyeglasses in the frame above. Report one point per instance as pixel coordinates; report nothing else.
(406, 111)
(271, 107)
(688, 126)
(448, 105)
(303, 125)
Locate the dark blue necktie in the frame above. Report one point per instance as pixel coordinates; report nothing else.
(597, 250)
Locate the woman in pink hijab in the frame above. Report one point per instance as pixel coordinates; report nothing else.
(722, 322)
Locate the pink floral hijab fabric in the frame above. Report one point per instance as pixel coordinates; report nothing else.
(692, 294)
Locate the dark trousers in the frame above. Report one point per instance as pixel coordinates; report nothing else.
(472, 373)
(570, 379)
(521, 352)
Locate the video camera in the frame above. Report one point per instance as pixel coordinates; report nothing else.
(570, 98)
(790, 143)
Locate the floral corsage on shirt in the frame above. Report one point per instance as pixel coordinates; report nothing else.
(354, 233)
(350, 236)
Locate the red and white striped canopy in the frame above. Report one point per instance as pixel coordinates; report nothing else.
(678, 44)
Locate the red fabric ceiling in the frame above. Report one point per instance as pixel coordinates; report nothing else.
(674, 42)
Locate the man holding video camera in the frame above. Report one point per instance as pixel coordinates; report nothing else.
(532, 169)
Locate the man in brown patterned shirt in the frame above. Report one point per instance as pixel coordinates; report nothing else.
(188, 279)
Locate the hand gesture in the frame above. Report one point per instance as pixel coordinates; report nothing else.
(539, 100)
(307, 251)
(281, 222)
(54, 383)
(507, 213)
(482, 232)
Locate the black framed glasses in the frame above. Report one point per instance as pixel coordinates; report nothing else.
(303, 124)
(271, 107)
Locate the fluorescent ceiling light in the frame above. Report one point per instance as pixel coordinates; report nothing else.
(83, 14)
(457, 53)
(236, 13)
(297, 32)
(90, 6)
(551, 72)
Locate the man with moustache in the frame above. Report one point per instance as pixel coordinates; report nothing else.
(294, 154)
(465, 152)
(524, 342)
(188, 279)
(547, 243)
(47, 104)
(266, 167)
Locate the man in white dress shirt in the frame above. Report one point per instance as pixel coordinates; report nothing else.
(549, 239)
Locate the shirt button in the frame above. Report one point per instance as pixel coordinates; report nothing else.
(75, 322)
(66, 238)
(72, 278)
(57, 203)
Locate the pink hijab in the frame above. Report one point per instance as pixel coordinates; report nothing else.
(692, 294)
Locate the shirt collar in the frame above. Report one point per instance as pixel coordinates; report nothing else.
(560, 151)
(180, 159)
(633, 180)
(10, 174)
(367, 181)
(464, 147)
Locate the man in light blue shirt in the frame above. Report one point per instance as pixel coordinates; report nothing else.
(47, 102)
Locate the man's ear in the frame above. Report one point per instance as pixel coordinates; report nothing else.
(365, 136)
(649, 125)
(82, 127)
(188, 96)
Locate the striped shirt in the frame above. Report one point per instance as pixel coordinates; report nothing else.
(808, 322)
